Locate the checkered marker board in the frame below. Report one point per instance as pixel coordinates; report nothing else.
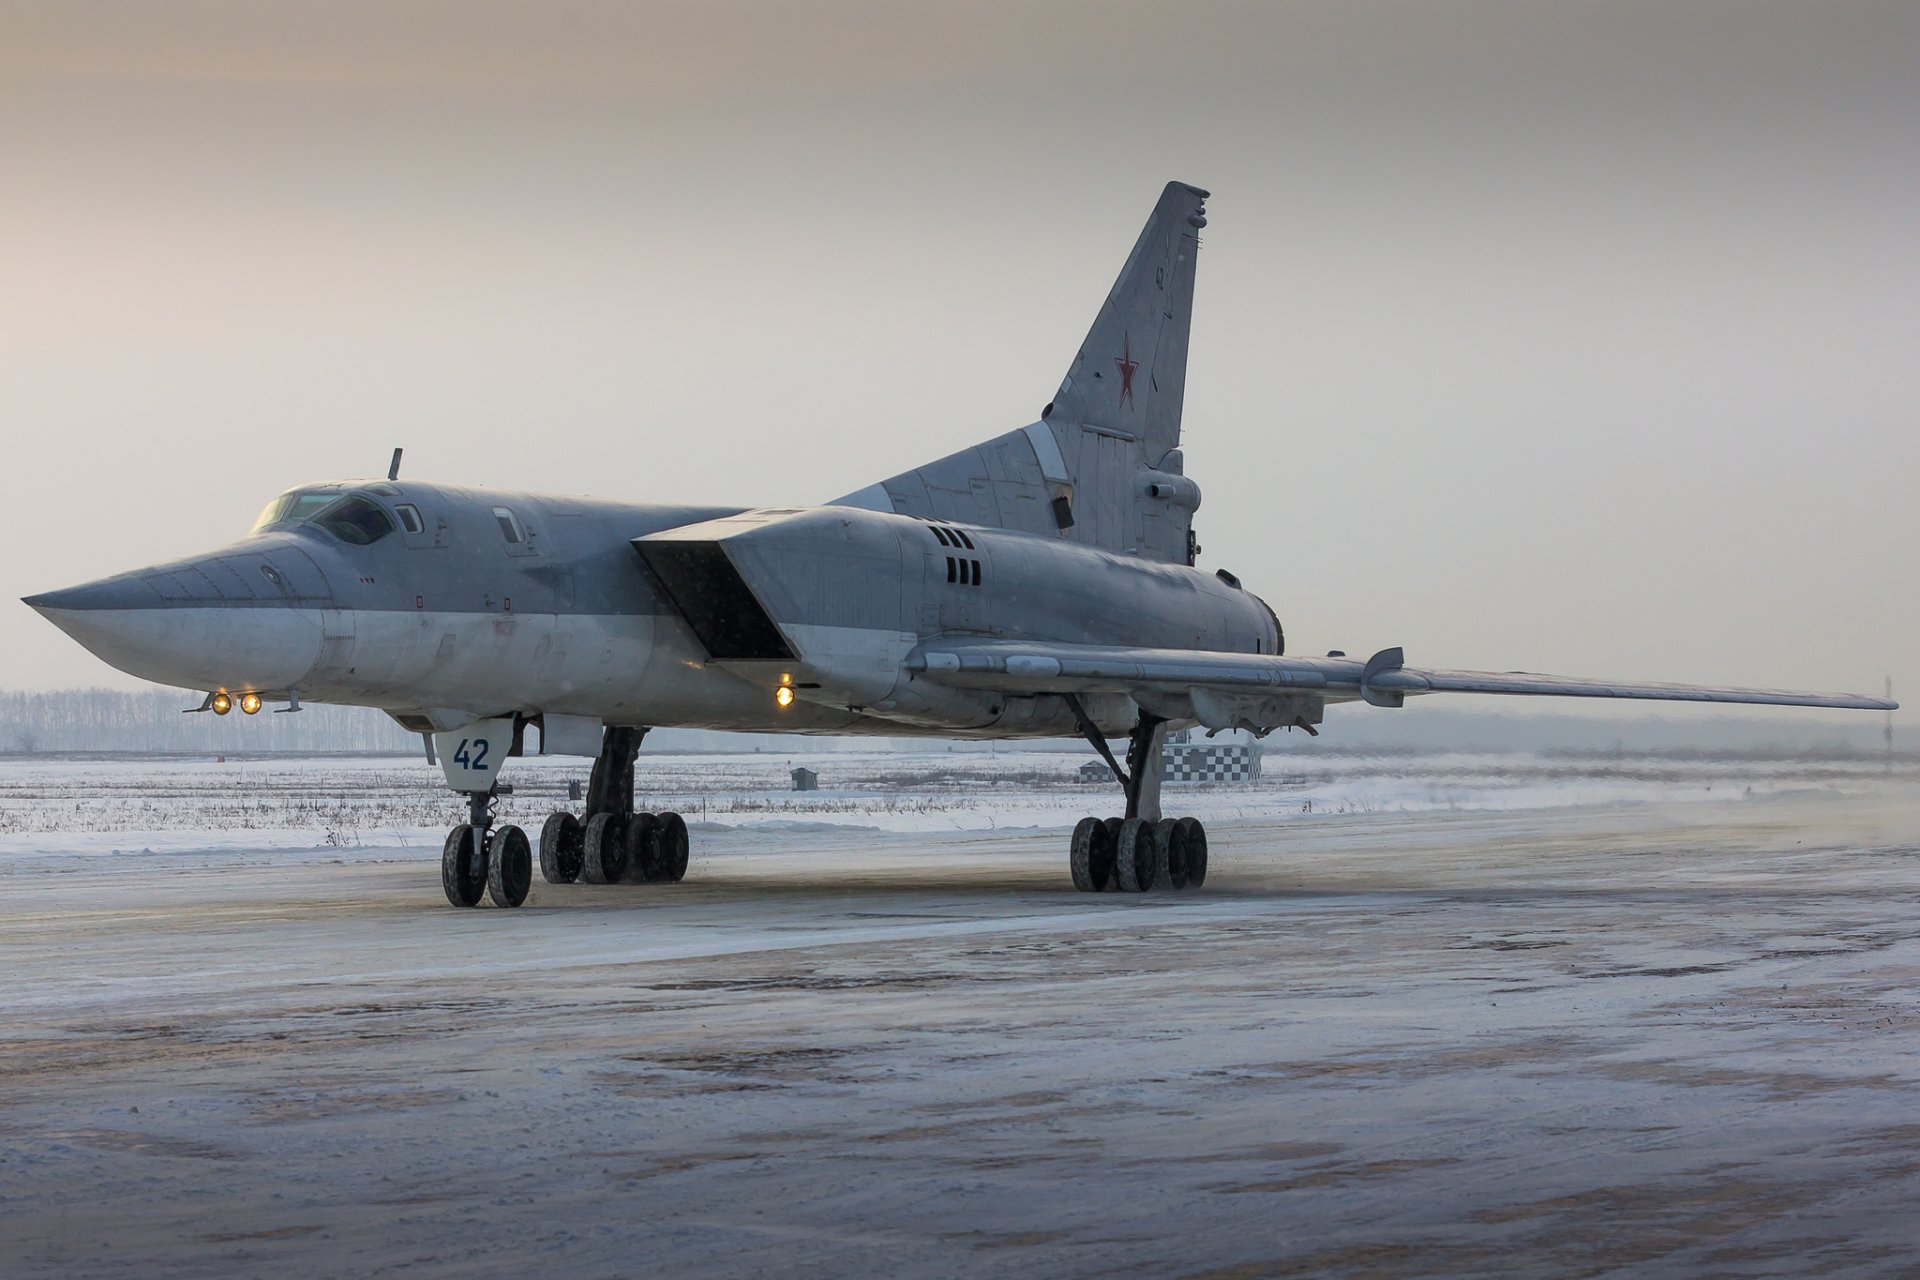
(1180, 762)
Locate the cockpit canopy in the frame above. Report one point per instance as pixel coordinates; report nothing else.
(354, 518)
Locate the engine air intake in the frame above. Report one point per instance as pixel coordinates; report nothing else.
(701, 581)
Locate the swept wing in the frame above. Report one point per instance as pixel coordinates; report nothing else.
(1383, 680)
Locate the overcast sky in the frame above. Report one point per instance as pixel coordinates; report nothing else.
(1575, 338)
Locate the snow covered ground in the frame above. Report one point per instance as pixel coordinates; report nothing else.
(1462, 1015)
(92, 805)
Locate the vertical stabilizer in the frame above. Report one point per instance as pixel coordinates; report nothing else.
(1130, 374)
(1102, 466)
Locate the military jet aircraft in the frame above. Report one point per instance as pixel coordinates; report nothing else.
(1036, 585)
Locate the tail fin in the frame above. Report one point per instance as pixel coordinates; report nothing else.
(1130, 375)
(1102, 466)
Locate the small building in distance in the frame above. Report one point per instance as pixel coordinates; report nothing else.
(805, 779)
(1095, 771)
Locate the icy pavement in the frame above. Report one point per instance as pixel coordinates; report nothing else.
(1632, 1038)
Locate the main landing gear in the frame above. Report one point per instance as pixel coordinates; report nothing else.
(1142, 850)
(612, 843)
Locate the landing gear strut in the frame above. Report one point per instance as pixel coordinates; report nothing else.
(611, 843)
(1135, 853)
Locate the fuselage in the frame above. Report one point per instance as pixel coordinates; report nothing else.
(442, 604)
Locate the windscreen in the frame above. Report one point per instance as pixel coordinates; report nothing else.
(294, 505)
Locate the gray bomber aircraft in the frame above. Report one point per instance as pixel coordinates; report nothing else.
(1040, 584)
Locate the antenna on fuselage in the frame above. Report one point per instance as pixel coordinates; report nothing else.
(393, 468)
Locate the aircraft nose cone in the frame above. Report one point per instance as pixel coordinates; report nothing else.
(197, 624)
(113, 618)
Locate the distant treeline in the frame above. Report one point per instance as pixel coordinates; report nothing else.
(150, 720)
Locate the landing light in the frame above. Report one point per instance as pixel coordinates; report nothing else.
(783, 696)
(221, 704)
(250, 703)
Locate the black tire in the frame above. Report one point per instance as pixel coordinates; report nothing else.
(604, 850)
(1196, 850)
(1081, 853)
(1135, 859)
(676, 846)
(562, 846)
(509, 866)
(1172, 866)
(1103, 876)
(643, 847)
(463, 867)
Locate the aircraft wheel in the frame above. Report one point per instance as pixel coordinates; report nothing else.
(1135, 856)
(1196, 851)
(561, 849)
(643, 847)
(675, 847)
(463, 867)
(604, 855)
(1172, 867)
(509, 866)
(1083, 850)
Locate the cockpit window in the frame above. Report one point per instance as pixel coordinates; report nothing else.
(293, 506)
(355, 520)
(510, 528)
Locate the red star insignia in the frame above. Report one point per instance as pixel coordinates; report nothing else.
(1126, 364)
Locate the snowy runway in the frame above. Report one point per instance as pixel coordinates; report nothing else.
(1679, 1038)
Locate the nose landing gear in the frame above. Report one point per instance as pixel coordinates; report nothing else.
(479, 858)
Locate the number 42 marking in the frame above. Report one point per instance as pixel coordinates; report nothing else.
(476, 758)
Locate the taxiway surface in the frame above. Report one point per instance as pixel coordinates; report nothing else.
(1665, 1038)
